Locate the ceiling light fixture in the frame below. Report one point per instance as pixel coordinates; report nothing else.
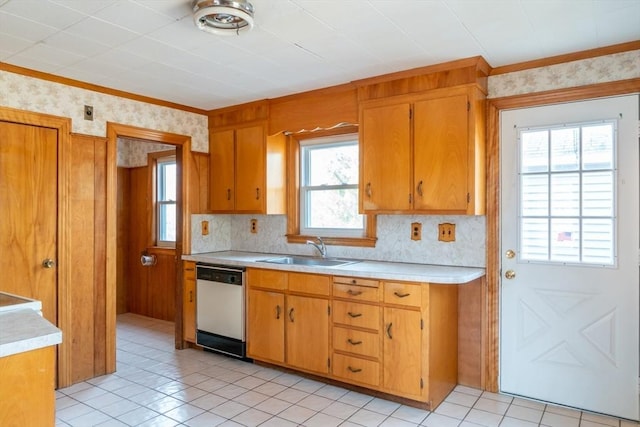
(223, 17)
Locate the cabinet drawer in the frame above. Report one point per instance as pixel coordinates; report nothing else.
(354, 314)
(310, 283)
(356, 281)
(356, 370)
(408, 294)
(269, 279)
(356, 342)
(355, 292)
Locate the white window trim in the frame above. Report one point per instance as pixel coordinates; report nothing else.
(161, 203)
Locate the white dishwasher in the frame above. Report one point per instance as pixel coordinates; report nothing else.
(220, 309)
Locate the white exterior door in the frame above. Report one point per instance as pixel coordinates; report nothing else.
(569, 324)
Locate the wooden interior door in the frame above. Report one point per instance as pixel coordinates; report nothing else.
(221, 150)
(386, 158)
(441, 153)
(28, 208)
(250, 169)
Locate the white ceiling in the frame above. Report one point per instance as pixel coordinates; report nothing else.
(152, 47)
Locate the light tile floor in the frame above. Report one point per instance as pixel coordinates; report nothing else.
(156, 385)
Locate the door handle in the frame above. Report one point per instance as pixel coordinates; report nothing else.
(48, 263)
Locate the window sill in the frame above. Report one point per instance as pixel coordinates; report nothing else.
(366, 242)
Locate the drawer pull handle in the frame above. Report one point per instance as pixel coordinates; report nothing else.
(354, 293)
(389, 331)
(352, 342)
(291, 315)
(354, 315)
(354, 370)
(278, 312)
(399, 295)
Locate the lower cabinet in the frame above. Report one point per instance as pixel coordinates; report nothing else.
(402, 352)
(308, 333)
(189, 301)
(287, 321)
(398, 338)
(265, 325)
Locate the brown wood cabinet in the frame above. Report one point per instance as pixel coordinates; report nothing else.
(247, 170)
(423, 153)
(395, 337)
(27, 388)
(288, 319)
(189, 301)
(265, 325)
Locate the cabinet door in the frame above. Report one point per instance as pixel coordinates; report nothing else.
(189, 301)
(441, 154)
(265, 325)
(221, 151)
(250, 169)
(308, 333)
(385, 158)
(402, 356)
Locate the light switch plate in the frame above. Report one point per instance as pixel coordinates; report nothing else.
(254, 226)
(447, 232)
(204, 227)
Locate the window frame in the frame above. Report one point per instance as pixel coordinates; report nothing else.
(580, 217)
(155, 159)
(294, 235)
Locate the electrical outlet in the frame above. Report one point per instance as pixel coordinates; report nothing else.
(204, 225)
(447, 232)
(254, 226)
(416, 231)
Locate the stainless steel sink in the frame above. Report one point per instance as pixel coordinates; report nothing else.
(301, 260)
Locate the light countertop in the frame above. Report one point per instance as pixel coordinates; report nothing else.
(22, 327)
(364, 269)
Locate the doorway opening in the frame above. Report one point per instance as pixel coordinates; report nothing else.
(163, 260)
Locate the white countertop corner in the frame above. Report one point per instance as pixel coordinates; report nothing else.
(24, 330)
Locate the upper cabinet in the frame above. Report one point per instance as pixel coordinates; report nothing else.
(247, 170)
(423, 153)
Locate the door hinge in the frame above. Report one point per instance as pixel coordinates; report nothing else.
(421, 383)
(421, 324)
(410, 113)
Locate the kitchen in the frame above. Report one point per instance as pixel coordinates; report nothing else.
(394, 243)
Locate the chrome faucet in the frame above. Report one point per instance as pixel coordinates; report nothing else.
(319, 246)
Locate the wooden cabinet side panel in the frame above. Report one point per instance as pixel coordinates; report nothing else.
(221, 170)
(470, 296)
(27, 389)
(441, 141)
(307, 328)
(250, 169)
(265, 325)
(199, 185)
(442, 330)
(385, 155)
(189, 301)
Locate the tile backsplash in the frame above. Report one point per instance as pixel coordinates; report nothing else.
(232, 232)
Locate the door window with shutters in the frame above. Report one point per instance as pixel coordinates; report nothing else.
(567, 179)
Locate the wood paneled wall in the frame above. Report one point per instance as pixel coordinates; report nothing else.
(87, 203)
